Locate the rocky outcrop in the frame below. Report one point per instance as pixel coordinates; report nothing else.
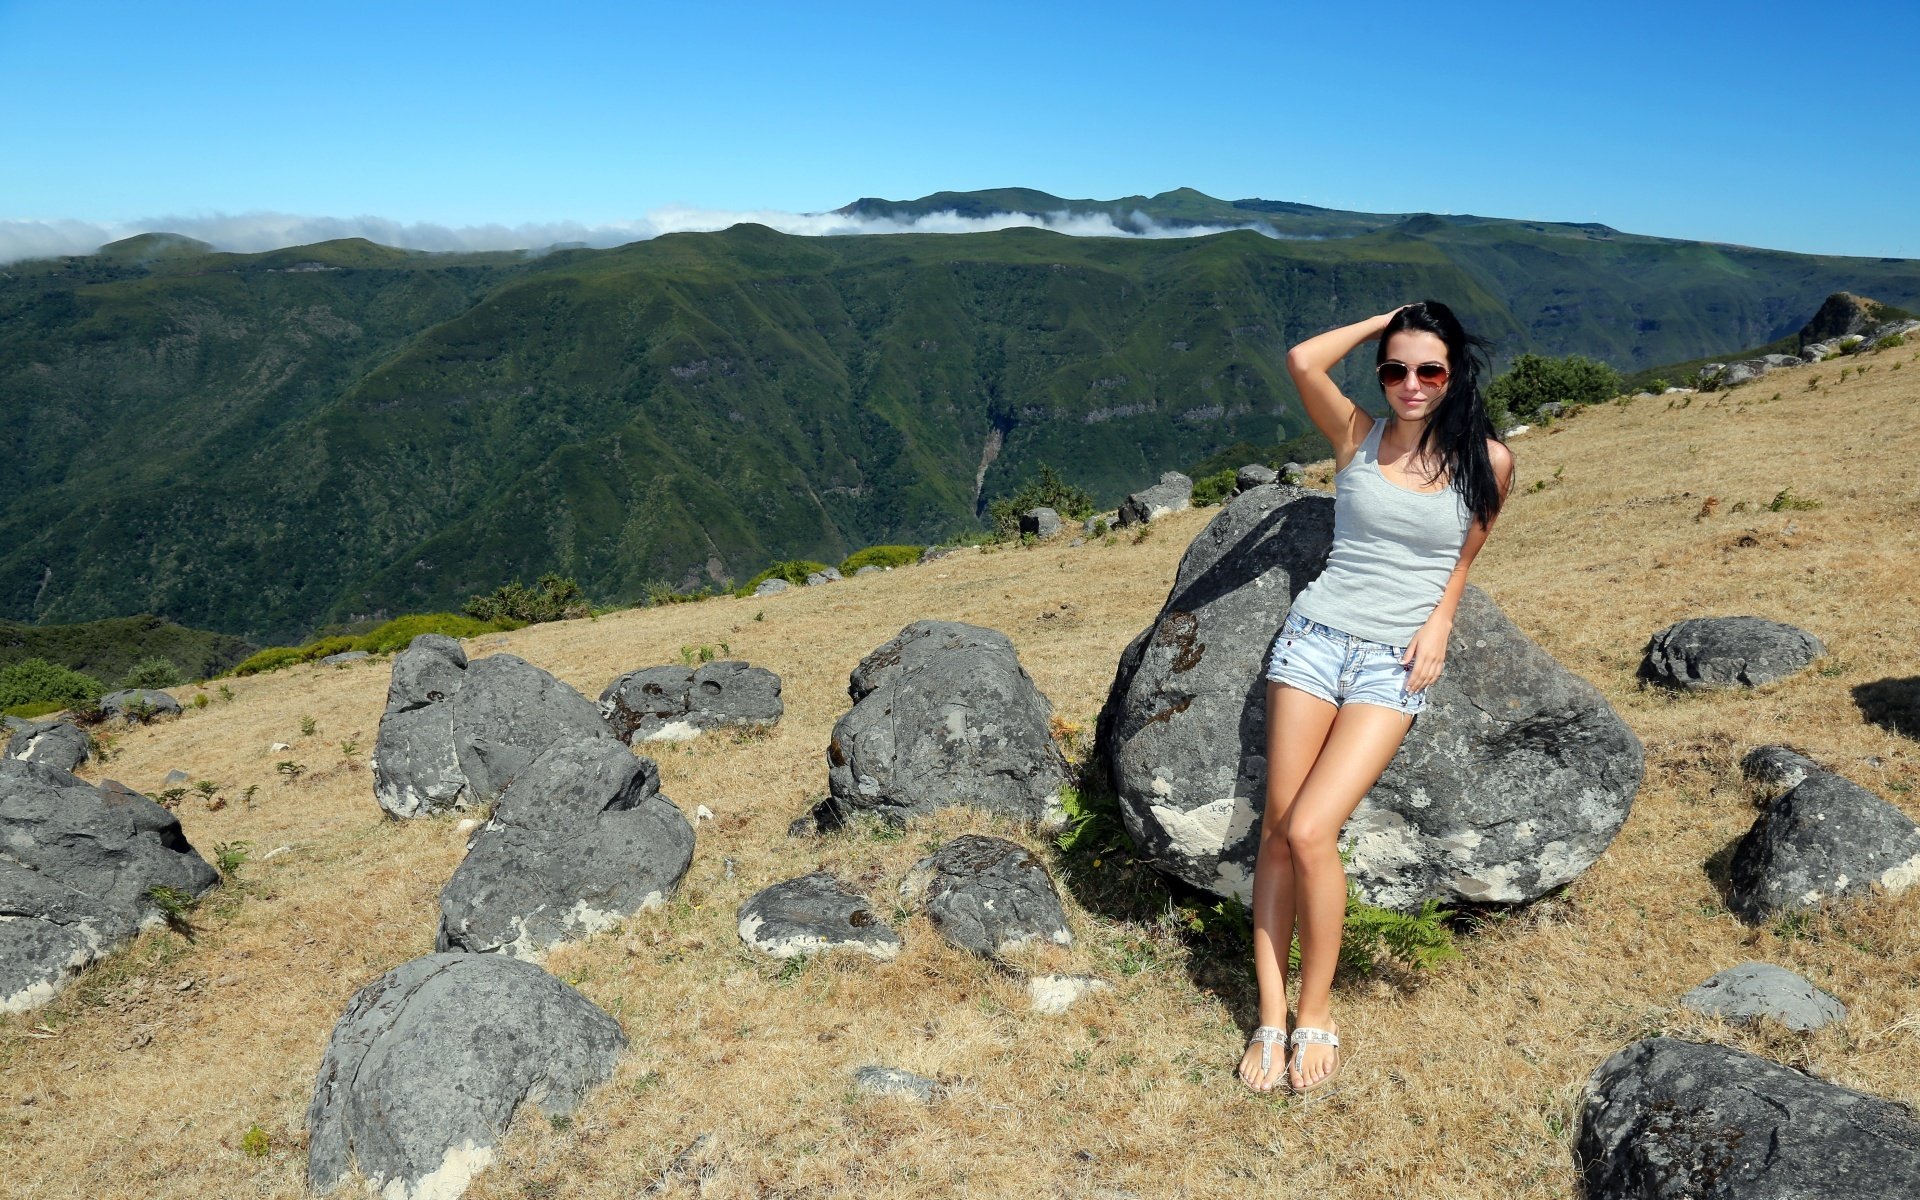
(580, 840)
(677, 703)
(1667, 1119)
(943, 714)
(138, 705)
(454, 735)
(812, 915)
(988, 895)
(1754, 990)
(1726, 652)
(427, 1065)
(1828, 837)
(1511, 782)
(77, 868)
(1173, 493)
(60, 744)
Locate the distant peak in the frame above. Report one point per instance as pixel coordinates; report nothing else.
(144, 247)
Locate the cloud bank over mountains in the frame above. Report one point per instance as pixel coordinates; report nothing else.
(254, 232)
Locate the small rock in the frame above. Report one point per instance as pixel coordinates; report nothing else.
(1040, 522)
(988, 895)
(811, 915)
(277, 747)
(176, 779)
(1077, 542)
(1254, 475)
(892, 1081)
(830, 575)
(344, 657)
(771, 587)
(1727, 652)
(1054, 994)
(1755, 989)
(465, 826)
(1781, 765)
(703, 812)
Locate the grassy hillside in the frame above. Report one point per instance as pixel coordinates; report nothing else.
(261, 444)
(145, 1078)
(108, 649)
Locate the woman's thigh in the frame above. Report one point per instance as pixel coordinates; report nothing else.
(1362, 741)
(1297, 726)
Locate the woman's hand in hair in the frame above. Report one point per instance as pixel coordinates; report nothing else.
(1385, 318)
(1427, 653)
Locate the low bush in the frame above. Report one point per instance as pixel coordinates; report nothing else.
(270, 659)
(793, 570)
(1045, 489)
(37, 681)
(397, 633)
(153, 673)
(551, 598)
(881, 556)
(1214, 488)
(1534, 380)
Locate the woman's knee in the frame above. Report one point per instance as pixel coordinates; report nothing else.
(1313, 841)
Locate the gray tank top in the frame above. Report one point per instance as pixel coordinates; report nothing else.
(1393, 550)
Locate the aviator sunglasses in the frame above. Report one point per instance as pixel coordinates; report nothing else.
(1430, 374)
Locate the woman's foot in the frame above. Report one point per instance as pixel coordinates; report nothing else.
(1313, 1062)
(1264, 1064)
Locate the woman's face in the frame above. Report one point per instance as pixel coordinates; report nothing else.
(1410, 399)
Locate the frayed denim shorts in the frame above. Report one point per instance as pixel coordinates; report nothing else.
(1341, 668)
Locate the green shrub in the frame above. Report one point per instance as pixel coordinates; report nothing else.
(793, 570)
(1045, 489)
(270, 659)
(551, 598)
(1657, 386)
(153, 673)
(37, 681)
(659, 594)
(1534, 380)
(36, 708)
(1890, 341)
(881, 556)
(398, 633)
(1214, 488)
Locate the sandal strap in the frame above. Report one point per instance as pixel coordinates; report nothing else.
(1319, 1037)
(1267, 1036)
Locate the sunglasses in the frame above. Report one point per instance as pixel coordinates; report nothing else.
(1430, 374)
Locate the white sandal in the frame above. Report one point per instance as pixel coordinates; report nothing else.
(1319, 1037)
(1267, 1036)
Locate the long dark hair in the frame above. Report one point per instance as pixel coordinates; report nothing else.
(1458, 430)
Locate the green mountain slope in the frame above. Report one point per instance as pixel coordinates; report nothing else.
(260, 443)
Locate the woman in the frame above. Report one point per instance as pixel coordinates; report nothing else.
(1415, 494)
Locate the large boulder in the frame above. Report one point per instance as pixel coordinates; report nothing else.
(76, 866)
(427, 1065)
(1828, 837)
(944, 714)
(988, 895)
(59, 744)
(1727, 652)
(676, 703)
(579, 841)
(454, 735)
(1173, 493)
(1511, 782)
(1666, 1119)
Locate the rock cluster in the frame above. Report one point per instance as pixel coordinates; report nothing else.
(676, 703)
(1514, 779)
(943, 714)
(78, 865)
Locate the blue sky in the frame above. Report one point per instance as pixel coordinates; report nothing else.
(1760, 123)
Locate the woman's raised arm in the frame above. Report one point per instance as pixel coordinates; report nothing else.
(1331, 412)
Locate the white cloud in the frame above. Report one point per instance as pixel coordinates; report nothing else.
(252, 232)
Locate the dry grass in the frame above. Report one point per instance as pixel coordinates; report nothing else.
(1461, 1085)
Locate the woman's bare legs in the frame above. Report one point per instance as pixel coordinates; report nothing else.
(1297, 726)
(1363, 740)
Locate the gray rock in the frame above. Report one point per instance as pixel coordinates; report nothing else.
(344, 657)
(76, 864)
(463, 750)
(1173, 493)
(1099, 524)
(59, 744)
(1782, 766)
(1817, 351)
(1253, 475)
(1776, 361)
(1727, 652)
(830, 575)
(1551, 408)
(771, 587)
(1665, 1119)
(429, 670)
(1710, 370)
(869, 569)
(812, 915)
(892, 1081)
(1826, 838)
(934, 552)
(429, 1062)
(1055, 994)
(580, 841)
(1514, 779)
(676, 703)
(1290, 472)
(944, 714)
(175, 778)
(1076, 543)
(988, 895)
(128, 703)
(10, 725)
(1755, 989)
(1041, 522)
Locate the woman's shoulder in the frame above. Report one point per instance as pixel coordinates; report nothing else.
(1499, 457)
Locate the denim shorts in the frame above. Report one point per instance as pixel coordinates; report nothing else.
(1340, 668)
